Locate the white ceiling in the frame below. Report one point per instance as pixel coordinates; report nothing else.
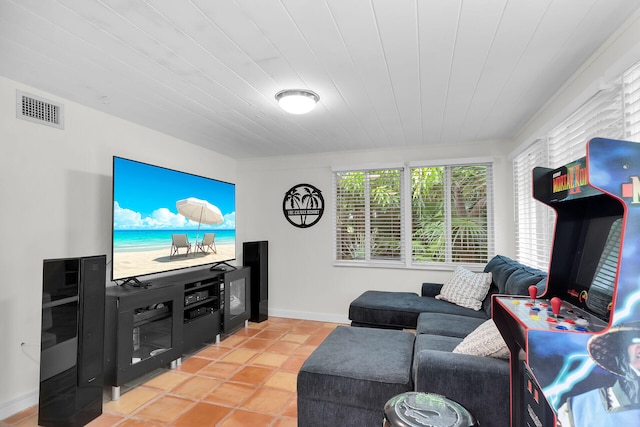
(390, 73)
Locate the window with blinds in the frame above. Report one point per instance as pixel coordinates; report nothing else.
(450, 219)
(368, 216)
(611, 113)
(534, 221)
(600, 116)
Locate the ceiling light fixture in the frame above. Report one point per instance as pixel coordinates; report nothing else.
(297, 101)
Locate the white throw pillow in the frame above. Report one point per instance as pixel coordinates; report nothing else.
(484, 341)
(466, 288)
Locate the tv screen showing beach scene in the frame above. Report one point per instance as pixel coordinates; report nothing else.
(165, 220)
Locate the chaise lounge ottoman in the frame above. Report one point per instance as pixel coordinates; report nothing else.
(348, 379)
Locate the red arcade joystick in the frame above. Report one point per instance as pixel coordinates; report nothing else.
(556, 304)
(533, 291)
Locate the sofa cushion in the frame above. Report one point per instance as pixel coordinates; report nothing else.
(400, 309)
(518, 283)
(435, 342)
(450, 325)
(354, 371)
(429, 342)
(480, 384)
(503, 268)
(484, 341)
(430, 289)
(466, 288)
(486, 304)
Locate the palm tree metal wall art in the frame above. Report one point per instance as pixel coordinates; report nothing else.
(303, 205)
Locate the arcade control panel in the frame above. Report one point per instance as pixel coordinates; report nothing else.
(553, 314)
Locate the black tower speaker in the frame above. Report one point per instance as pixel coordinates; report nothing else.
(72, 341)
(256, 256)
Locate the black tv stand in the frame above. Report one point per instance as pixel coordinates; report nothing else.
(133, 281)
(218, 266)
(180, 314)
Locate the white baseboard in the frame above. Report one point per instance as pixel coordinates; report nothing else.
(321, 317)
(18, 404)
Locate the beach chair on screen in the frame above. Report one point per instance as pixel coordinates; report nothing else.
(208, 243)
(179, 241)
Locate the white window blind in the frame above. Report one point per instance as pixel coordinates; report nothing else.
(368, 216)
(631, 96)
(450, 219)
(611, 113)
(534, 221)
(600, 116)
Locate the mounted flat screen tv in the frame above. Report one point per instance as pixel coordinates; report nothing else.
(165, 220)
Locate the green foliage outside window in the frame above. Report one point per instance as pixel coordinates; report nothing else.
(465, 240)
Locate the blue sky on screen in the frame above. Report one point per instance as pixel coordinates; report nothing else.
(145, 197)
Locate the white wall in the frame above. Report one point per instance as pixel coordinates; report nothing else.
(303, 281)
(56, 202)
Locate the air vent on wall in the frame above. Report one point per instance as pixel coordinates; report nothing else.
(39, 110)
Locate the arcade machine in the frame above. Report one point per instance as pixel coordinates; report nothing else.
(575, 349)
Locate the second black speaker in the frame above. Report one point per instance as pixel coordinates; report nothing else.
(256, 256)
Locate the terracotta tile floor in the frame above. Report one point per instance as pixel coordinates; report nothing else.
(248, 379)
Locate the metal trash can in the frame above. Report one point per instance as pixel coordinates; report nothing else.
(426, 410)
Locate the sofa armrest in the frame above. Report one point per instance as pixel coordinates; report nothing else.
(480, 384)
(431, 289)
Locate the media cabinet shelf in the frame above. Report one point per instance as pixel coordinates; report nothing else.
(175, 315)
(204, 302)
(202, 298)
(147, 316)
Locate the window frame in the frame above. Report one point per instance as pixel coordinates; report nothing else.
(406, 261)
(367, 261)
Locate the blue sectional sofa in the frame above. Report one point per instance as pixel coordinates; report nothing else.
(400, 310)
(344, 382)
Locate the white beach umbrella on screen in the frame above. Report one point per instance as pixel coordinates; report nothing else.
(201, 211)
